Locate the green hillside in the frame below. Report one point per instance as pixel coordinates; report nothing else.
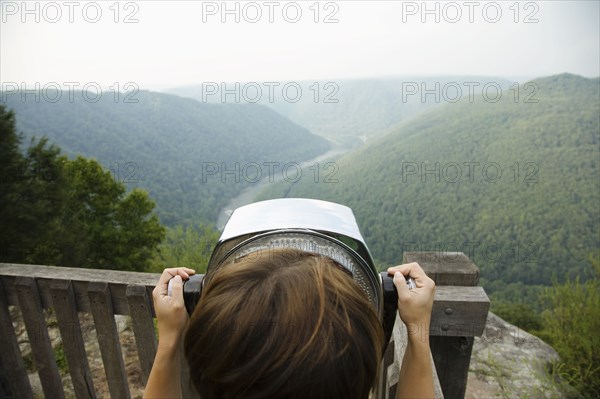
(347, 111)
(529, 210)
(178, 149)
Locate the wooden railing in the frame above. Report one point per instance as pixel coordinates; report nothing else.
(459, 314)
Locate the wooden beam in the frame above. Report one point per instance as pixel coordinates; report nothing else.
(72, 338)
(81, 278)
(452, 356)
(108, 338)
(459, 311)
(140, 310)
(11, 361)
(445, 268)
(37, 333)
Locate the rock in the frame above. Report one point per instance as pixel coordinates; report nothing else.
(508, 362)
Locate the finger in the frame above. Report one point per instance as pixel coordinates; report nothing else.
(412, 269)
(169, 273)
(407, 269)
(400, 283)
(162, 286)
(185, 272)
(177, 290)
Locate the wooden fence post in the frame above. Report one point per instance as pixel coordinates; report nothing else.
(143, 327)
(451, 352)
(65, 307)
(15, 383)
(108, 338)
(37, 332)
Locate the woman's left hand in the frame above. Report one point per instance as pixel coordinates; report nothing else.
(165, 377)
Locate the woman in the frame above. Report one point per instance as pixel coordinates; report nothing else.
(286, 325)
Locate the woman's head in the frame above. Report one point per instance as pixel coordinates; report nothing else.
(283, 323)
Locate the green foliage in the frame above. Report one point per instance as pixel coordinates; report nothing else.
(571, 326)
(70, 212)
(539, 218)
(61, 359)
(521, 315)
(186, 247)
(171, 146)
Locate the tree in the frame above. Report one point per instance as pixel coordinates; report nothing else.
(30, 190)
(189, 247)
(521, 315)
(571, 326)
(11, 167)
(58, 211)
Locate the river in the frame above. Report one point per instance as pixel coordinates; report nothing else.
(248, 195)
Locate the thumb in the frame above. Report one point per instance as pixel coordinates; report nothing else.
(177, 286)
(400, 283)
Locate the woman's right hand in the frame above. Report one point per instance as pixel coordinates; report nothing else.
(414, 306)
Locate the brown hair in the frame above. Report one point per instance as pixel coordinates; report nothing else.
(283, 324)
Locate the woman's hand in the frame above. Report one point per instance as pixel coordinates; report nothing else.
(414, 306)
(170, 311)
(165, 377)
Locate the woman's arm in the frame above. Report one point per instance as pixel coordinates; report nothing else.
(172, 317)
(414, 306)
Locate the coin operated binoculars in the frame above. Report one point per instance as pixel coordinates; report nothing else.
(317, 227)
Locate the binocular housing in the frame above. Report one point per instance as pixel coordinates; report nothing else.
(313, 226)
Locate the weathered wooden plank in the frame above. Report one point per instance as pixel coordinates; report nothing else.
(388, 360)
(382, 387)
(140, 310)
(72, 338)
(445, 268)
(452, 356)
(459, 311)
(15, 383)
(37, 332)
(108, 339)
(79, 274)
(117, 281)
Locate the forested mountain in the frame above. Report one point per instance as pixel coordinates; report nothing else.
(346, 111)
(514, 184)
(189, 156)
(69, 212)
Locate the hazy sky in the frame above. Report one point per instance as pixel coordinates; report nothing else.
(168, 44)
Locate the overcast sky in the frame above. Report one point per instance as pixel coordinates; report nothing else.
(167, 44)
